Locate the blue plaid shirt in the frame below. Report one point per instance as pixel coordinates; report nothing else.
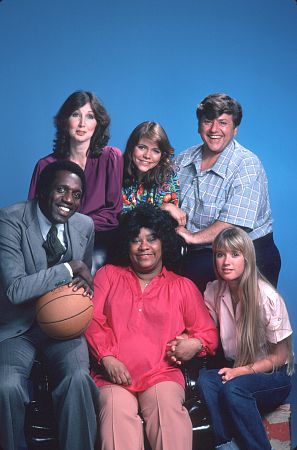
(233, 190)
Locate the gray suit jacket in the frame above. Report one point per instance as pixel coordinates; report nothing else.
(24, 275)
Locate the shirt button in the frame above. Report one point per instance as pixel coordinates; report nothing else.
(139, 309)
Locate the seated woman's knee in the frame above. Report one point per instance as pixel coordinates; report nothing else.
(231, 394)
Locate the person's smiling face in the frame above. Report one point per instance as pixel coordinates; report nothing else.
(217, 133)
(63, 197)
(146, 155)
(146, 252)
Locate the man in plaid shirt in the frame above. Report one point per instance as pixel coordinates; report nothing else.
(223, 185)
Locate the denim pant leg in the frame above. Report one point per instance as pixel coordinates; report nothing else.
(209, 384)
(241, 399)
(244, 396)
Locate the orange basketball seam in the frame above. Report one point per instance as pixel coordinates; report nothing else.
(77, 333)
(56, 298)
(66, 318)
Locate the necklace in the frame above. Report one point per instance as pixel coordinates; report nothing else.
(143, 282)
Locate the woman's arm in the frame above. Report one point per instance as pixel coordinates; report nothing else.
(277, 357)
(170, 200)
(202, 333)
(105, 216)
(116, 370)
(183, 348)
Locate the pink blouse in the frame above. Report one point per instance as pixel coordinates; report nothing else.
(273, 309)
(136, 326)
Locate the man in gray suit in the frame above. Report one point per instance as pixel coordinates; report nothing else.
(29, 267)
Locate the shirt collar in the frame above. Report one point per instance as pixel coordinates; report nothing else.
(194, 157)
(45, 225)
(221, 165)
(161, 274)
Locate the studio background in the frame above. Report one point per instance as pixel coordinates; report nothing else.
(155, 60)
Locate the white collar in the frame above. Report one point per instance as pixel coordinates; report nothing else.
(45, 226)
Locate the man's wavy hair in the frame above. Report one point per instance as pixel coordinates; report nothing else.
(214, 105)
(100, 137)
(163, 227)
(160, 173)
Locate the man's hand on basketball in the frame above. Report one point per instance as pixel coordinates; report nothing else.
(81, 277)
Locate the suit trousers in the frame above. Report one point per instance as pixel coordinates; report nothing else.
(74, 393)
(167, 422)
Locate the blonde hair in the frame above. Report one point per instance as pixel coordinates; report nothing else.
(250, 328)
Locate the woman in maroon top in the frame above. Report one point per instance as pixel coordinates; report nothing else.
(139, 308)
(82, 135)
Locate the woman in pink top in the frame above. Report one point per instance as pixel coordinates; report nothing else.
(82, 135)
(139, 307)
(256, 334)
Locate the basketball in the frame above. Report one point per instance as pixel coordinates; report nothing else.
(63, 313)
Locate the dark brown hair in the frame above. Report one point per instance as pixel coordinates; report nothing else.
(215, 105)
(73, 103)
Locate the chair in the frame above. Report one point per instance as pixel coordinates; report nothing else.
(40, 426)
(201, 424)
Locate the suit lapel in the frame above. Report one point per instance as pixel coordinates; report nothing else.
(77, 239)
(34, 236)
(35, 240)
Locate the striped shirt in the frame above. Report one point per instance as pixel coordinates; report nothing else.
(233, 190)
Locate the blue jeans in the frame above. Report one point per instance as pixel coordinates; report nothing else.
(234, 406)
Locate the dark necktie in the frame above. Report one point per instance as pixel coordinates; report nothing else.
(53, 247)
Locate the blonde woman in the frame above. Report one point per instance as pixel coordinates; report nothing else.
(256, 338)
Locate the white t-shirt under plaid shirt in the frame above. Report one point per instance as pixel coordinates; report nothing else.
(233, 190)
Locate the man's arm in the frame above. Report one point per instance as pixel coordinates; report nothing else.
(19, 275)
(246, 200)
(205, 236)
